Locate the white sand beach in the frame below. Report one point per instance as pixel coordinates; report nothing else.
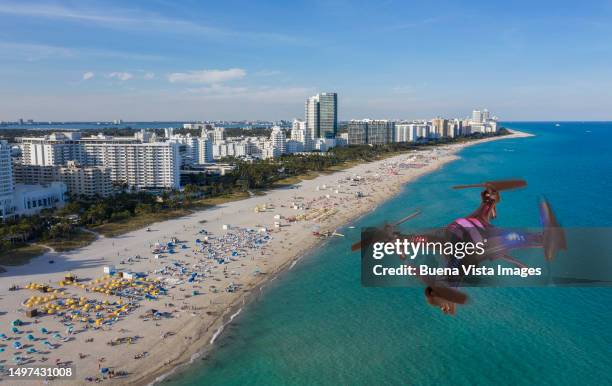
(206, 282)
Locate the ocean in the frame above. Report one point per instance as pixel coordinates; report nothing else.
(316, 324)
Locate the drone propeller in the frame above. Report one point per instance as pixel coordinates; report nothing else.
(385, 232)
(410, 216)
(496, 185)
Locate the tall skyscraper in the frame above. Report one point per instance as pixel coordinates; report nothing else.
(6, 180)
(322, 115)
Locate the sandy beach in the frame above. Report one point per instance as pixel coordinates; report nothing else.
(185, 278)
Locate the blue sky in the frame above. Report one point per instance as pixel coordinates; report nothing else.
(183, 60)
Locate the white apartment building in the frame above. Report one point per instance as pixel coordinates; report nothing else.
(6, 180)
(301, 133)
(189, 148)
(218, 134)
(406, 132)
(53, 149)
(132, 161)
(278, 140)
(205, 150)
(153, 165)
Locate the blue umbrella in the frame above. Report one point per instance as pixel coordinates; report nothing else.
(3, 337)
(1, 349)
(44, 330)
(17, 345)
(15, 330)
(31, 350)
(30, 337)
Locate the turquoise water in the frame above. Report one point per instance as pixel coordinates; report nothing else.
(317, 325)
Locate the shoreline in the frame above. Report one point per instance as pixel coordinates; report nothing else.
(196, 336)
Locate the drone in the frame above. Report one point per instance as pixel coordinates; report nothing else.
(476, 227)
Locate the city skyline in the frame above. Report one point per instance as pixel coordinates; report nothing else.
(157, 61)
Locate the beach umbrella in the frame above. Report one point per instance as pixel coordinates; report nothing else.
(44, 330)
(3, 337)
(17, 345)
(1, 349)
(15, 330)
(30, 337)
(16, 322)
(31, 350)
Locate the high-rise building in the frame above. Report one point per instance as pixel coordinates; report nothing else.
(406, 132)
(298, 130)
(87, 181)
(322, 115)
(188, 147)
(53, 149)
(218, 134)
(328, 115)
(205, 150)
(477, 116)
(79, 180)
(380, 132)
(132, 160)
(312, 118)
(6, 180)
(372, 132)
(358, 132)
(440, 127)
(300, 133)
(278, 140)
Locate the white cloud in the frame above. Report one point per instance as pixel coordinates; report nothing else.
(207, 76)
(88, 75)
(120, 75)
(148, 76)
